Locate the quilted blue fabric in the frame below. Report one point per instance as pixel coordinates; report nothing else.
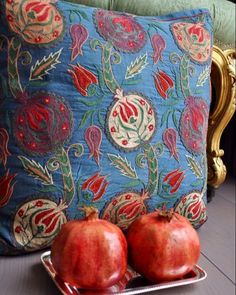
(99, 108)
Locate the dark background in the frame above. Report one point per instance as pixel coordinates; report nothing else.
(228, 144)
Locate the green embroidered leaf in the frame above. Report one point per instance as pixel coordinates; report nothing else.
(175, 121)
(42, 68)
(140, 160)
(49, 189)
(165, 117)
(83, 14)
(136, 67)
(133, 81)
(194, 166)
(123, 165)
(203, 76)
(36, 170)
(101, 119)
(85, 118)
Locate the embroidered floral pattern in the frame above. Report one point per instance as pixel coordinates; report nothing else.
(82, 78)
(37, 22)
(193, 124)
(121, 30)
(43, 124)
(37, 222)
(125, 208)
(99, 108)
(131, 121)
(194, 39)
(192, 207)
(97, 185)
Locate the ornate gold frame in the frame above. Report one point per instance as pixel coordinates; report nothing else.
(223, 106)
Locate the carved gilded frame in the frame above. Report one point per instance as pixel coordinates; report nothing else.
(223, 81)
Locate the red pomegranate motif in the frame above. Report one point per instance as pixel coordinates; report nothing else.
(131, 121)
(37, 222)
(193, 124)
(194, 39)
(193, 208)
(43, 124)
(125, 208)
(40, 21)
(123, 31)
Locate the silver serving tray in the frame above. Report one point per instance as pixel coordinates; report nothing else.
(132, 283)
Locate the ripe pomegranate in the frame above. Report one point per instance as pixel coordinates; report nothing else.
(90, 253)
(163, 245)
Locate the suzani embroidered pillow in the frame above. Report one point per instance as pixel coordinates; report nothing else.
(99, 108)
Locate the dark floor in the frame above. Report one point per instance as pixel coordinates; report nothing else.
(26, 276)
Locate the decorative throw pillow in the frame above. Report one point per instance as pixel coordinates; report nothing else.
(99, 108)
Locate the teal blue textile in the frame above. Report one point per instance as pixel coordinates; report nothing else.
(99, 108)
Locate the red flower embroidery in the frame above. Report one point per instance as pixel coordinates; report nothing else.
(96, 184)
(194, 39)
(174, 179)
(21, 212)
(6, 188)
(127, 110)
(163, 83)
(123, 31)
(82, 78)
(18, 229)
(39, 203)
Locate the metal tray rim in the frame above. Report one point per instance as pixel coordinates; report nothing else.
(132, 291)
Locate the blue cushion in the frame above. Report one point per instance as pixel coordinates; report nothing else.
(99, 108)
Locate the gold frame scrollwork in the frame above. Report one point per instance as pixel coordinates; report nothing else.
(223, 79)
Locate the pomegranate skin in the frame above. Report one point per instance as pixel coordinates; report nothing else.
(90, 253)
(163, 248)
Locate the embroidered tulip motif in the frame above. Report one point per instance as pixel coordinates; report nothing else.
(158, 44)
(96, 184)
(174, 179)
(79, 35)
(6, 188)
(4, 152)
(163, 83)
(93, 138)
(40, 22)
(82, 78)
(193, 124)
(169, 139)
(192, 206)
(124, 208)
(37, 222)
